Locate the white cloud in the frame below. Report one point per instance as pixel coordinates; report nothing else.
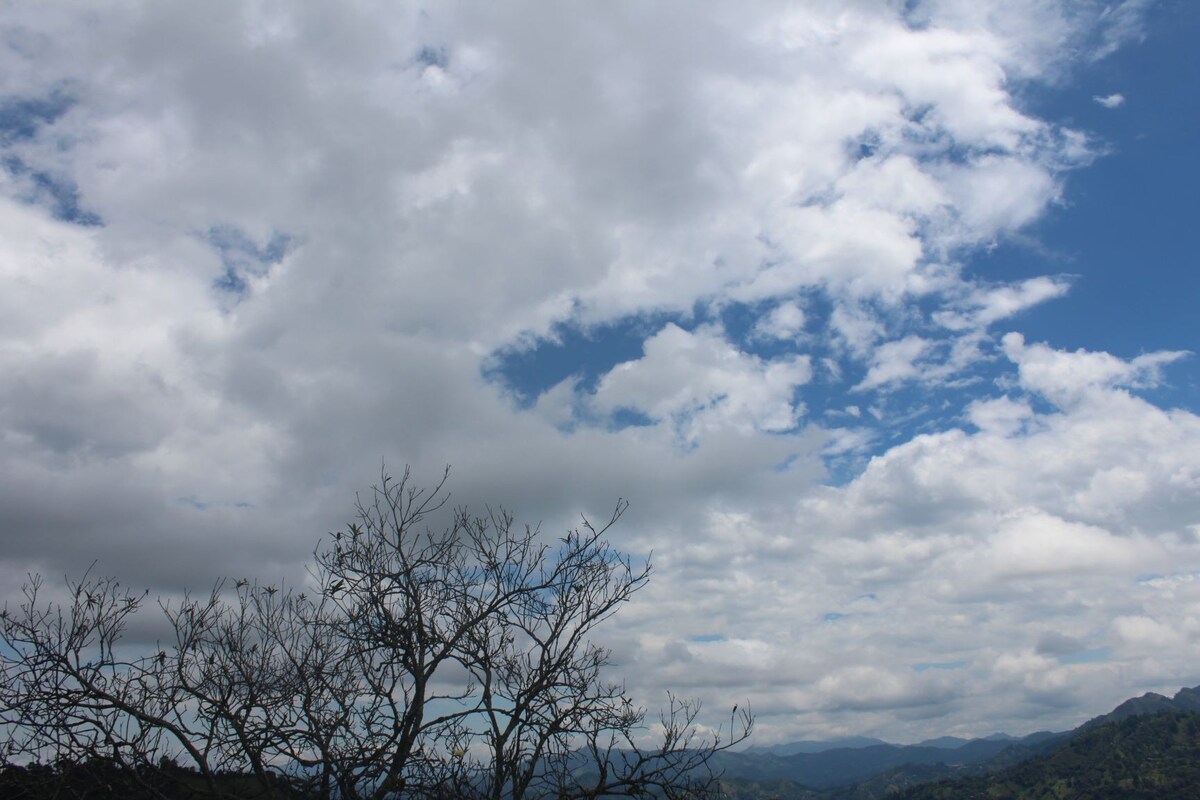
(785, 321)
(998, 194)
(856, 327)
(985, 306)
(893, 362)
(849, 440)
(1067, 377)
(1115, 100)
(698, 381)
(930, 529)
(872, 688)
(1001, 415)
(1033, 543)
(1143, 631)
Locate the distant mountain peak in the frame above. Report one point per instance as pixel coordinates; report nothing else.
(1186, 699)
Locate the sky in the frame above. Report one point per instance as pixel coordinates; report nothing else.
(880, 314)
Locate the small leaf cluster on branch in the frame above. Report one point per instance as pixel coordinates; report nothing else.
(423, 664)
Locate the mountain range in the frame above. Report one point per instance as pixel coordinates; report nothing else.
(862, 768)
(1152, 756)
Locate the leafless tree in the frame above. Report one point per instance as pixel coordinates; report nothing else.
(422, 663)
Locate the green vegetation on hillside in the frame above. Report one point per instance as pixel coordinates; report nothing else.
(1156, 757)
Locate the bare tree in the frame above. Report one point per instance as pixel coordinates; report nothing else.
(424, 664)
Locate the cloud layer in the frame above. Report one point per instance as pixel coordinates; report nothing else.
(248, 250)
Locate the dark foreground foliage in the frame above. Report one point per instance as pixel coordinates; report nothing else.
(104, 779)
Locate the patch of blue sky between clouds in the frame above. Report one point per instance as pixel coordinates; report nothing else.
(57, 193)
(430, 56)
(572, 351)
(22, 121)
(1125, 227)
(195, 503)
(21, 118)
(244, 259)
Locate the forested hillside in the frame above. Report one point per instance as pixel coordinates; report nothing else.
(1147, 756)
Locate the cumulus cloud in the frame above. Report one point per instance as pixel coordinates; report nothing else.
(1066, 377)
(894, 361)
(698, 381)
(784, 322)
(1114, 100)
(1032, 543)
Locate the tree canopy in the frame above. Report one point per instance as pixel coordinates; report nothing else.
(416, 662)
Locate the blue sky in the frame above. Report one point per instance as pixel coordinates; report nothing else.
(1126, 227)
(879, 314)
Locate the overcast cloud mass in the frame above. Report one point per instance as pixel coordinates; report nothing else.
(730, 261)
